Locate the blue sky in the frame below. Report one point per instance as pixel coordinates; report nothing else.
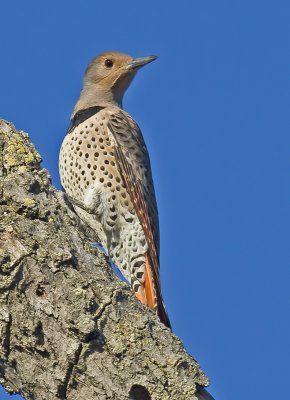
(214, 111)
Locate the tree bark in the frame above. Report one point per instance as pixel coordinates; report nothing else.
(69, 328)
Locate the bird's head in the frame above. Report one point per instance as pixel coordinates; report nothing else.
(108, 76)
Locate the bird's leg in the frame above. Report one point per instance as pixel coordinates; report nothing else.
(76, 203)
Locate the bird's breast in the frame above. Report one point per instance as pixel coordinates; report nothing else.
(89, 171)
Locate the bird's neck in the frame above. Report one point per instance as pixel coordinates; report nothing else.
(97, 96)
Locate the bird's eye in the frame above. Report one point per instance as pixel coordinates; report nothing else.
(108, 63)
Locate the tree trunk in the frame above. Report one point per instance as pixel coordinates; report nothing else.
(69, 328)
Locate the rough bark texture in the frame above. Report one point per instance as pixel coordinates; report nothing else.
(69, 328)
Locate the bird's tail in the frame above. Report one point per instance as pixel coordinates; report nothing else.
(150, 294)
(153, 294)
(202, 394)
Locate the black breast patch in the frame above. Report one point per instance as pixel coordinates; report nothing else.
(82, 115)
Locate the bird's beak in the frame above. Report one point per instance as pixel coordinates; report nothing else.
(137, 63)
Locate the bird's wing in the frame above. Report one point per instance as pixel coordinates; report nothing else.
(134, 166)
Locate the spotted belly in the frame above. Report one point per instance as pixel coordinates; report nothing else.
(90, 175)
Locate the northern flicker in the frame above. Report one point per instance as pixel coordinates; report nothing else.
(105, 172)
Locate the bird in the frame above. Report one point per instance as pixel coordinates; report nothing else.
(105, 173)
